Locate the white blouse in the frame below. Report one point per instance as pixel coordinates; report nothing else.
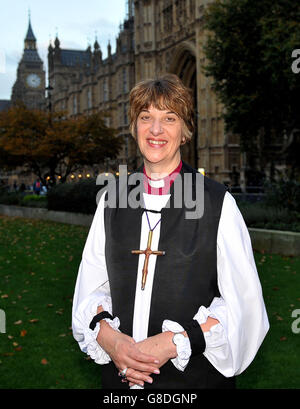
(232, 344)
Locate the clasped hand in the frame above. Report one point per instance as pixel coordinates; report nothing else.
(141, 358)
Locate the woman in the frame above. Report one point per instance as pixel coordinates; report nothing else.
(192, 314)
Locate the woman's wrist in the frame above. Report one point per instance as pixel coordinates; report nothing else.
(210, 322)
(105, 336)
(172, 344)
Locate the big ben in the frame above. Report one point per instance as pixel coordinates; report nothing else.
(29, 87)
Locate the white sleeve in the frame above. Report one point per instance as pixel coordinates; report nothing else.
(232, 345)
(92, 289)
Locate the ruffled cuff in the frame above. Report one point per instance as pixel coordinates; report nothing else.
(93, 349)
(87, 338)
(215, 338)
(183, 350)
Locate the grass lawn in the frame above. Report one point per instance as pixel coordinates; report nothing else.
(38, 268)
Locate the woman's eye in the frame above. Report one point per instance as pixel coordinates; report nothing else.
(170, 119)
(145, 117)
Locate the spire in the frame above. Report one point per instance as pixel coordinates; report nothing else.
(129, 9)
(30, 40)
(30, 36)
(30, 54)
(97, 52)
(96, 44)
(56, 42)
(109, 49)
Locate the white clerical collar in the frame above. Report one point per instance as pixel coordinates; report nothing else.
(156, 183)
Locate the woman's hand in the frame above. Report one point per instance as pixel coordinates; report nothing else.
(124, 352)
(159, 345)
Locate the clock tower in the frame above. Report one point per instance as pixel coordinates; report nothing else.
(29, 87)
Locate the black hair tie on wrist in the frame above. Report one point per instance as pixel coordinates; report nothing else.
(99, 317)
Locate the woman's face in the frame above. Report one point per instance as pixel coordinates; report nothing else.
(159, 136)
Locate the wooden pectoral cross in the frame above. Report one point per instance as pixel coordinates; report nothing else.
(147, 253)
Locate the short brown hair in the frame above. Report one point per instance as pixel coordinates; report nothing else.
(166, 92)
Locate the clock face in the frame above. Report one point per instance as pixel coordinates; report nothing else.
(33, 80)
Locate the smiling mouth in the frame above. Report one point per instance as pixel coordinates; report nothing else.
(153, 142)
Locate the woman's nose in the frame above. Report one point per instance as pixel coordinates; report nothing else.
(156, 127)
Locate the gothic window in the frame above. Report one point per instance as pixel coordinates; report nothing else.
(147, 13)
(168, 19)
(192, 8)
(124, 80)
(147, 22)
(125, 116)
(89, 98)
(74, 104)
(181, 11)
(105, 90)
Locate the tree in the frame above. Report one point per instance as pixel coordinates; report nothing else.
(249, 56)
(50, 144)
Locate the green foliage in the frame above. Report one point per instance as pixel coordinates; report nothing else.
(19, 199)
(11, 198)
(284, 195)
(263, 216)
(249, 57)
(79, 197)
(34, 201)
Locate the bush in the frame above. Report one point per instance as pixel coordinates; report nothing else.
(34, 201)
(11, 198)
(19, 199)
(283, 194)
(263, 216)
(77, 197)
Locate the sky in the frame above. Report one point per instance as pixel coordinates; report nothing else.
(76, 22)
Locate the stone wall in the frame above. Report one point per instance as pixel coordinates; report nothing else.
(269, 241)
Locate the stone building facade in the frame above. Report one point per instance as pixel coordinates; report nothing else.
(157, 37)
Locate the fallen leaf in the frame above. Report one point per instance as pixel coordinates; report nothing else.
(33, 320)
(18, 322)
(283, 338)
(4, 296)
(23, 332)
(18, 348)
(44, 361)
(15, 344)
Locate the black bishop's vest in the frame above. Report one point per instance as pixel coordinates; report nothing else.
(185, 278)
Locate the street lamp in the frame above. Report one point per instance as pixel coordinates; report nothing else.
(49, 89)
